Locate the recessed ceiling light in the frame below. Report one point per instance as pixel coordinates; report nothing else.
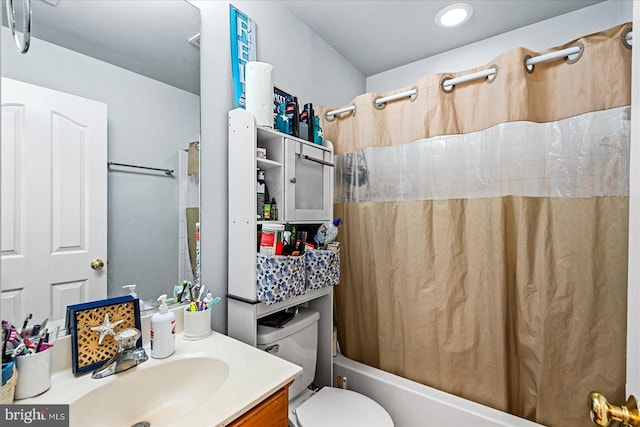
(454, 15)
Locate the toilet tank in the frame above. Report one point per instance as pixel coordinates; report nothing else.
(296, 342)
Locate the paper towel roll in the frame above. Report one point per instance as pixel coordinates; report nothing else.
(259, 92)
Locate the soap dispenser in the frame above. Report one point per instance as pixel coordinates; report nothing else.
(133, 294)
(163, 331)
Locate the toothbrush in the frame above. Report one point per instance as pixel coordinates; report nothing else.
(190, 286)
(26, 322)
(7, 335)
(201, 292)
(176, 293)
(19, 349)
(213, 301)
(41, 341)
(184, 288)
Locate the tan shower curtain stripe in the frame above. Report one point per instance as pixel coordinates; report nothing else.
(599, 80)
(515, 302)
(431, 298)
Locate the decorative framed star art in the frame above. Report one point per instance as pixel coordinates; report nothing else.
(92, 326)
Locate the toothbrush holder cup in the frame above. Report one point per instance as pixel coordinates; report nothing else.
(197, 324)
(34, 374)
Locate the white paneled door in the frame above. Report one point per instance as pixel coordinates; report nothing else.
(54, 201)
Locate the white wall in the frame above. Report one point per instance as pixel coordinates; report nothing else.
(148, 122)
(540, 36)
(303, 64)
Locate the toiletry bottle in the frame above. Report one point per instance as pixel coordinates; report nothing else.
(317, 133)
(163, 331)
(327, 233)
(292, 115)
(267, 210)
(132, 290)
(133, 294)
(281, 124)
(260, 192)
(307, 117)
(274, 209)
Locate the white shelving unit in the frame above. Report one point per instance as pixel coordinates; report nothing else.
(284, 152)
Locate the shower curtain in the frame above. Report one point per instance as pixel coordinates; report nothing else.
(484, 242)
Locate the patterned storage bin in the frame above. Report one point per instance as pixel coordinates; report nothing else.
(323, 268)
(9, 382)
(279, 277)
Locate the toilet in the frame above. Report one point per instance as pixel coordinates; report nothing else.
(297, 342)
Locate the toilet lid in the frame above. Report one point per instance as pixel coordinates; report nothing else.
(336, 407)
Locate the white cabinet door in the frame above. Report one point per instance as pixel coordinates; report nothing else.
(54, 201)
(308, 182)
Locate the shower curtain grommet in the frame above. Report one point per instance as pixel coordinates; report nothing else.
(380, 106)
(492, 77)
(528, 68)
(623, 36)
(415, 95)
(443, 87)
(570, 60)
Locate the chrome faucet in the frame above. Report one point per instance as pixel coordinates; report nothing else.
(127, 355)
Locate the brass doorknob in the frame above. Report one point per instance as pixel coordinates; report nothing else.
(97, 264)
(602, 412)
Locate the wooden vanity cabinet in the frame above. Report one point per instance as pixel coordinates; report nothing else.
(271, 412)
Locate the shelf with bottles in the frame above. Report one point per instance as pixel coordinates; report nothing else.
(268, 195)
(299, 175)
(299, 178)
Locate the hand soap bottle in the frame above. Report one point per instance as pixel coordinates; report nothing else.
(163, 331)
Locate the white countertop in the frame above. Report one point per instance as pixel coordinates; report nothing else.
(253, 376)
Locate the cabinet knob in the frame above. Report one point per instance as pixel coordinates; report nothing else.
(292, 180)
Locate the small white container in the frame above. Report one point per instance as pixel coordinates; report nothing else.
(163, 331)
(34, 374)
(197, 324)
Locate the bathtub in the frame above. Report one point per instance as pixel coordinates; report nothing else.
(411, 404)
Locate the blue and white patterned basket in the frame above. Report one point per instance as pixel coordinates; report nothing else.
(322, 269)
(279, 277)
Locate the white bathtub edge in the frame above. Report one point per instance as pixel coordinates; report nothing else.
(412, 404)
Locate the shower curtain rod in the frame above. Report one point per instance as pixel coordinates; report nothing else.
(489, 73)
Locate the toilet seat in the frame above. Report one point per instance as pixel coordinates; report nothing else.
(336, 407)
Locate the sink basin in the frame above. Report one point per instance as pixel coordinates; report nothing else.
(160, 394)
(209, 382)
